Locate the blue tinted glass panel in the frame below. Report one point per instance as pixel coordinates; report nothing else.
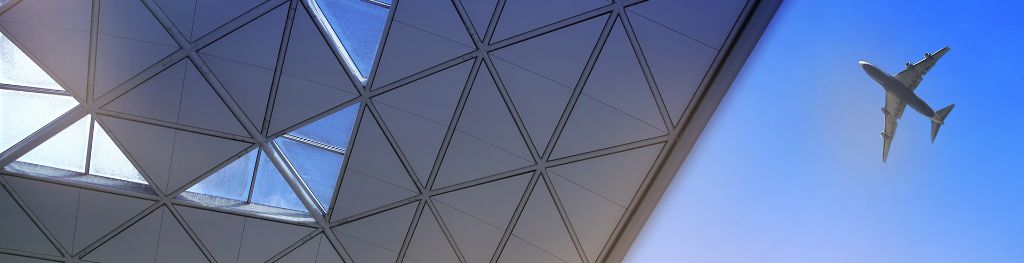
(318, 168)
(232, 181)
(359, 25)
(334, 130)
(272, 190)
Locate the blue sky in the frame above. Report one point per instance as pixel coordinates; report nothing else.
(789, 169)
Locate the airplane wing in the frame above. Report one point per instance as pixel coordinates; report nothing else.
(912, 75)
(893, 110)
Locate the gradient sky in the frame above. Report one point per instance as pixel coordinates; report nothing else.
(789, 169)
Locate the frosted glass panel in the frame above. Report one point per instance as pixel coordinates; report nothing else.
(109, 161)
(359, 25)
(318, 168)
(334, 130)
(272, 190)
(66, 150)
(16, 68)
(22, 113)
(232, 181)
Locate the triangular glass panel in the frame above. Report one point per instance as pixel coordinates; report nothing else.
(317, 151)
(107, 160)
(18, 69)
(67, 155)
(231, 182)
(357, 27)
(65, 150)
(250, 183)
(22, 113)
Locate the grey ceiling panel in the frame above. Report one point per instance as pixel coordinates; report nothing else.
(171, 158)
(157, 98)
(17, 232)
(62, 52)
(211, 14)
(256, 69)
(196, 154)
(143, 37)
(680, 65)
(435, 16)
(418, 114)
(139, 244)
(374, 176)
(519, 16)
(420, 43)
(618, 81)
(480, 12)
(313, 79)
(377, 238)
(428, 243)
(163, 96)
(52, 13)
(327, 253)
(135, 244)
(372, 155)
(149, 145)
(55, 206)
(593, 125)
(245, 59)
(248, 86)
(19, 259)
(175, 243)
(220, 233)
(181, 13)
(519, 251)
(298, 99)
(310, 57)
(477, 216)
(615, 177)
(486, 141)
(99, 213)
(202, 108)
(475, 238)
(541, 227)
(708, 22)
(361, 192)
(570, 46)
(317, 249)
(593, 217)
(305, 253)
(263, 239)
(540, 88)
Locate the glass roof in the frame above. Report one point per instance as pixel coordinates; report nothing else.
(358, 25)
(316, 151)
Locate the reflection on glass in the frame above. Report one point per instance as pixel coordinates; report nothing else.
(333, 130)
(318, 168)
(358, 25)
(108, 161)
(271, 189)
(16, 68)
(232, 182)
(66, 150)
(22, 113)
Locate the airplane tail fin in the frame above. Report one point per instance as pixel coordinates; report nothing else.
(939, 119)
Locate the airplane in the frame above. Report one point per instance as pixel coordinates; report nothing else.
(899, 93)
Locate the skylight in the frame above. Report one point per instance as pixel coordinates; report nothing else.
(357, 25)
(25, 107)
(316, 151)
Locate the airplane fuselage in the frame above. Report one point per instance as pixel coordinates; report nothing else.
(894, 86)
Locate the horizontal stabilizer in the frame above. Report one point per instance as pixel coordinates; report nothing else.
(939, 119)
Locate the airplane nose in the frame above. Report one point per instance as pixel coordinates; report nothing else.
(862, 63)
